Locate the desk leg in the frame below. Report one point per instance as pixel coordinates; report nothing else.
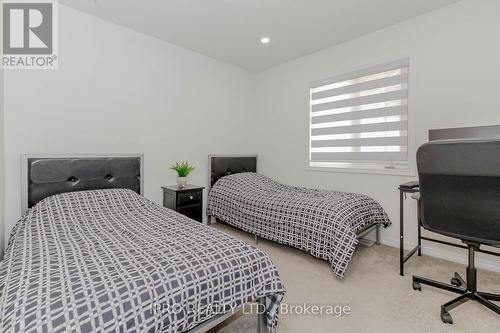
(401, 233)
(419, 239)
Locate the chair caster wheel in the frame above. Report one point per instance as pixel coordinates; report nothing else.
(417, 286)
(456, 282)
(446, 317)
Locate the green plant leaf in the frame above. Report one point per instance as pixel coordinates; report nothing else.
(183, 169)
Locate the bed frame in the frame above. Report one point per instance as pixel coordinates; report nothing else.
(44, 175)
(224, 165)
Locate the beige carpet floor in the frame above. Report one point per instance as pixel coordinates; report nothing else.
(380, 299)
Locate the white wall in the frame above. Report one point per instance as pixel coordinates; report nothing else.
(455, 53)
(118, 91)
(2, 188)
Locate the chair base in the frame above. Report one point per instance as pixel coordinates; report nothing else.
(467, 290)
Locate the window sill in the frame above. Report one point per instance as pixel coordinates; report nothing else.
(388, 172)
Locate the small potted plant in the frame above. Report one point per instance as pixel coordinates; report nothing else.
(183, 169)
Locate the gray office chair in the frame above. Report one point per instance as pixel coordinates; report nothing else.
(460, 198)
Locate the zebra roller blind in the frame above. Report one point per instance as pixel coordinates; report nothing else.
(361, 118)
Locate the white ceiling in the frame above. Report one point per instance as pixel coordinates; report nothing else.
(230, 30)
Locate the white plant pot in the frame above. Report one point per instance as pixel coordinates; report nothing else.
(182, 181)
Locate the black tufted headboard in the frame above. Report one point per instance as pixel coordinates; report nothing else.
(46, 176)
(223, 165)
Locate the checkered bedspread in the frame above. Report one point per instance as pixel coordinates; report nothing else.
(323, 223)
(112, 261)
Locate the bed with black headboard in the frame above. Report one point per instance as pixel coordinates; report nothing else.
(91, 254)
(326, 224)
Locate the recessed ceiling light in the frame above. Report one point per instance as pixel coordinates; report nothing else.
(265, 40)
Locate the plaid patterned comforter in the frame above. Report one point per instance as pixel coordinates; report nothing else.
(112, 261)
(323, 223)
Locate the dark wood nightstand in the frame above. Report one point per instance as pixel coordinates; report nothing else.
(187, 201)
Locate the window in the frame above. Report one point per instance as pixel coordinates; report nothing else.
(360, 120)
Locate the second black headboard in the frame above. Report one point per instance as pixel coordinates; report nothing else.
(223, 165)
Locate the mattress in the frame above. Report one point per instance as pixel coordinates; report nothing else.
(113, 261)
(323, 223)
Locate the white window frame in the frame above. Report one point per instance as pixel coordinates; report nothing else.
(376, 168)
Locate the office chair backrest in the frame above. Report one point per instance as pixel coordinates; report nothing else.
(460, 189)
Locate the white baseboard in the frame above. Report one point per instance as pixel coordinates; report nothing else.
(483, 261)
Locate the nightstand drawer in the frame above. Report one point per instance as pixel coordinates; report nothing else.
(189, 198)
